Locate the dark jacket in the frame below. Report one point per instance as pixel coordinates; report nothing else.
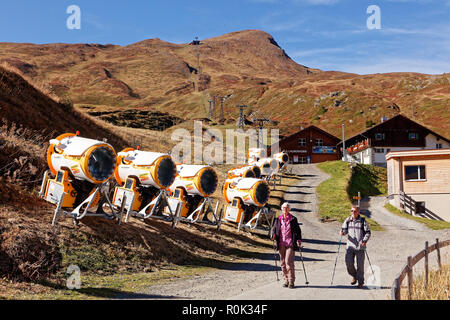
(296, 232)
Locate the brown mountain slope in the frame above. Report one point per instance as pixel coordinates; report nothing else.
(247, 66)
(25, 105)
(31, 249)
(29, 118)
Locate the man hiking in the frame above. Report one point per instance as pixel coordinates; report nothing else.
(358, 231)
(288, 235)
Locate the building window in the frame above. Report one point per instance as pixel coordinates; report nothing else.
(413, 136)
(380, 136)
(303, 160)
(319, 142)
(438, 145)
(302, 142)
(379, 150)
(415, 173)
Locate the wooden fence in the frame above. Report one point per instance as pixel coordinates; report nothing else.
(408, 268)
(409, 206)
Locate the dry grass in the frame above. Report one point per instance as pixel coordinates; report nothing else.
(32, 250)
(154, 75)
(39, 85)
(438, 286)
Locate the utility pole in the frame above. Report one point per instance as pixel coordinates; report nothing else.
(196, 43)
(261, 122)
(222, 100)
(213, 107)
(344, 150)
(210, 109)
(221, 117)
(241, 122)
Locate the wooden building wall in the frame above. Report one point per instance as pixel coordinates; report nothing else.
(292, 147)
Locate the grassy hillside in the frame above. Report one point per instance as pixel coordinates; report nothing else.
(334, 193)
(247, 67)
(369, 180)
(113, 259)
(432, 224)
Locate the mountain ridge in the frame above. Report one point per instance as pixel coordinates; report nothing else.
(247, 66)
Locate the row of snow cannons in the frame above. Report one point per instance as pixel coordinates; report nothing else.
(87, 178)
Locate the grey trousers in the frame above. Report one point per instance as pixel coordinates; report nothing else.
(357, 273)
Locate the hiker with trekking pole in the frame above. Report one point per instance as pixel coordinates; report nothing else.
(358, 232)
(288, 236)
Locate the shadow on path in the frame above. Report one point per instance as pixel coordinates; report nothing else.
(339, 287)
(299, 210)
(307, 250)
(297, 192)
(316, 241)
(299, 187)
(297, 202)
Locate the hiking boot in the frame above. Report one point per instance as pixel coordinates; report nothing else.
(291, 285)
(354, 281)
(285, 285)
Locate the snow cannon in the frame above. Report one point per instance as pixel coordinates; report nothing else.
(268, 166)
(149, 168)
(255, 154)
(197, 180)
(281, 157)
(142, 177)
(283, 160)
(85, 159)
(81, 169)
(191, 191)
(244, 172)
(257, 172)
(244, 197)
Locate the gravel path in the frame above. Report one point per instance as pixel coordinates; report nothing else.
(256, 280)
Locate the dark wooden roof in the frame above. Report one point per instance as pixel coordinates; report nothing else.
(313, 128)
(308, 128)
(402, 117)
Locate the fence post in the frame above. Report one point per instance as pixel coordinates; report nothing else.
(426, 265)
(438, 252)
(410, 277)
(397, 289)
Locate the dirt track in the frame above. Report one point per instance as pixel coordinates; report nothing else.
(256, 279)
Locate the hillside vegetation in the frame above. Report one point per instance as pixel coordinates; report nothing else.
(438, 285)
(432, 224)
(335, 194)
(35, 255)
(369, 180)
(247, 67)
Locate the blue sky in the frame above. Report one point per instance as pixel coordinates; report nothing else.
(324, 34)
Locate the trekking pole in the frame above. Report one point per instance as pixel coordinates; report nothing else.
(365, 250)
(334, 270)
(275, 255)
(304, 270)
